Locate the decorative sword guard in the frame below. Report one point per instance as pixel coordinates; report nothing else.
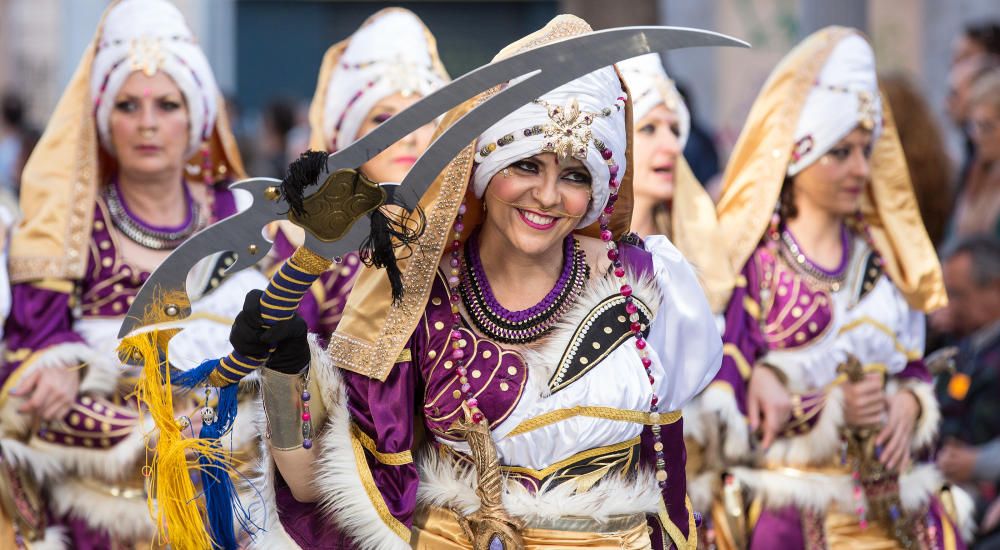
(344, 198)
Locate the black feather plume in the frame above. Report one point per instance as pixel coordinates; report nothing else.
(391, 229)
(302, 173)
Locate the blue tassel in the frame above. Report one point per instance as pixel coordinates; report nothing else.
(221, 499)
(220, 495)
(195, 377)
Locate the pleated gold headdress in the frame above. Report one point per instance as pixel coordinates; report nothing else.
(759, 163)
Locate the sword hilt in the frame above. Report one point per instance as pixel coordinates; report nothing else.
(279, 301)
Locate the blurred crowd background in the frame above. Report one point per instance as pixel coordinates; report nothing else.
(939, 59)
(266, 54)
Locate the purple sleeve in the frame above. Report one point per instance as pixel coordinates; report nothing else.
(916, 370)
(39, 318)
(382, 414)
(742, 340)
(384, 411)
(674, 456)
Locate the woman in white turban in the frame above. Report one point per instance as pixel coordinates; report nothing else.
(525, 391)
(669, 200)
(388, 64)
(824, 333)
(136, 158)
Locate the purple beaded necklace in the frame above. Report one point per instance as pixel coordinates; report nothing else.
(527, 325)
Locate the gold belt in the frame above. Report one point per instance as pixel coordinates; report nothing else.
(437, 528)
(577, 524)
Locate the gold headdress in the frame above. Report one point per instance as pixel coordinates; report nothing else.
(759, 162)
(67, 167)
(373, 332)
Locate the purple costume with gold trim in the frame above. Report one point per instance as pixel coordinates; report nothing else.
(567, 418)
(89, 463)
(804, 493)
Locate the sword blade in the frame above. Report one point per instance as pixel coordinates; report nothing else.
(562, 62)
(557, 63)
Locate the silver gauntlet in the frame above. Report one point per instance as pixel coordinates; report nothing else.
(287, 414)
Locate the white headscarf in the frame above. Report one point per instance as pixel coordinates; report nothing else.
(151, 36)
(597, 131)
(389, 55)
(845, 96)
(650, 86)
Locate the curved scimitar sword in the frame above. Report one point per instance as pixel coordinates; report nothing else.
(333, 232)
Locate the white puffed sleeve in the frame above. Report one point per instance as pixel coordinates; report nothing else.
(684, 335)
(7, 219)
(912, 330)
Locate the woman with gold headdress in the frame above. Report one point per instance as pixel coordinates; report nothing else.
(668, 199)
(824, 332)
(526, 388)
(135, 159)
(363, 81)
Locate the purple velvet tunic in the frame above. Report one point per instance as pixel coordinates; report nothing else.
(424, 389)
(774, 308)
(42, 318)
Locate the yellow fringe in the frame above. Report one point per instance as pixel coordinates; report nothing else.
(174, 504)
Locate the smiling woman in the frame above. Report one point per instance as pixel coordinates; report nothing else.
(525, 391)
(531, 205)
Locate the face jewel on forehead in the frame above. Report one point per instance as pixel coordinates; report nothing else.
(145, 54)
(568, 133)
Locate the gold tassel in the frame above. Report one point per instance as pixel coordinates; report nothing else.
(173, 504)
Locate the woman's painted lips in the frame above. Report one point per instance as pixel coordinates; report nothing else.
(536, 220)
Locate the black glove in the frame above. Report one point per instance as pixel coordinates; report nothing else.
(250, 337)
(248, 328)
(291, 352)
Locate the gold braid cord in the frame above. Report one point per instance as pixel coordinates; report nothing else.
(490, 527)
(309, 261)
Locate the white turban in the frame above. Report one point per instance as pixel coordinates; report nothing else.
(389, 55)
(650, 86)
(549, 125)
(150, 36)
(845, 96)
